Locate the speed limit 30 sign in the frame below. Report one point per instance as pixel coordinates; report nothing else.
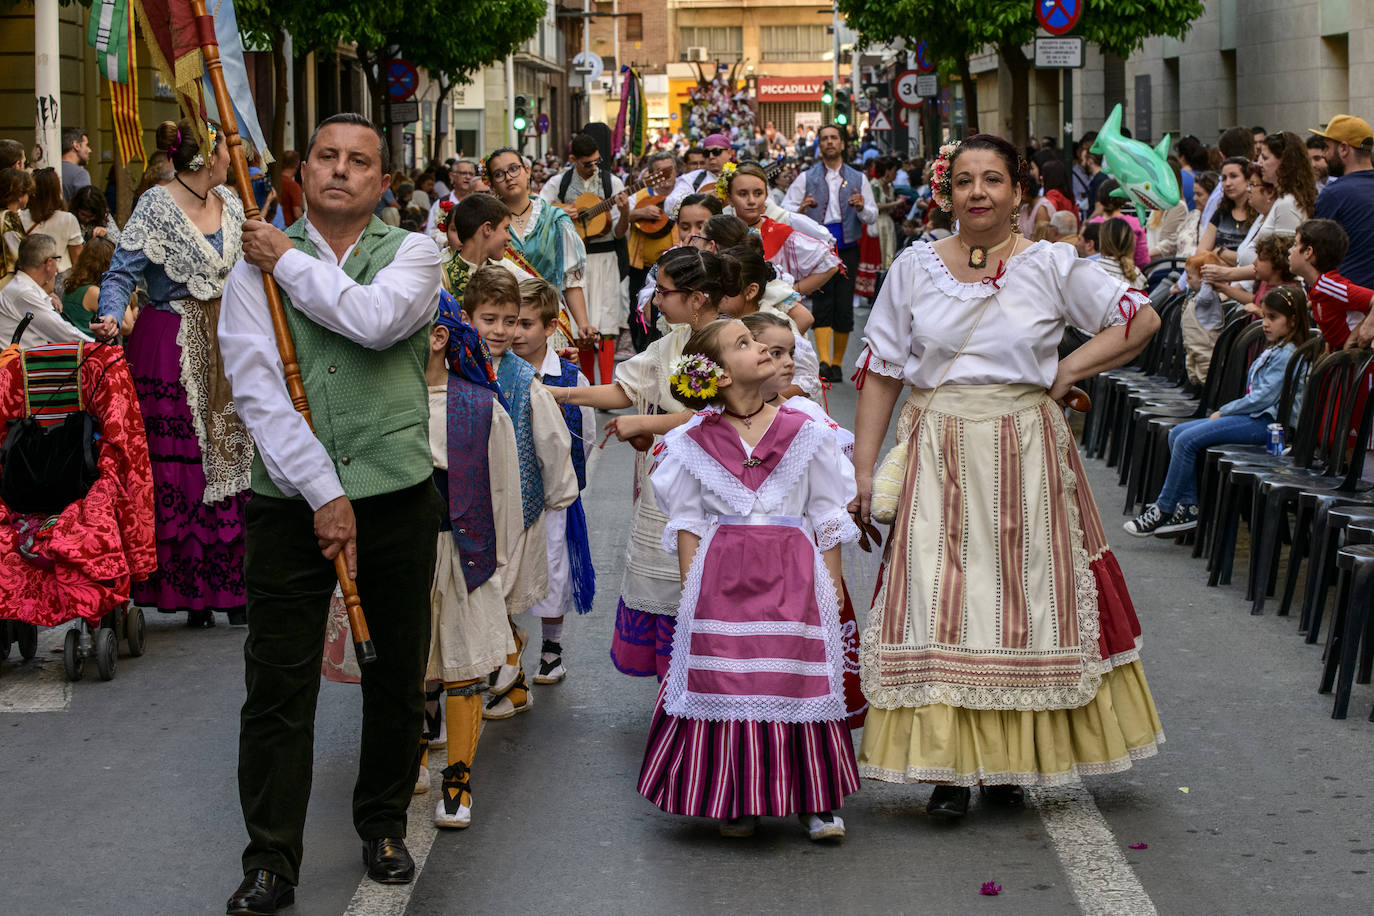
(906, 90)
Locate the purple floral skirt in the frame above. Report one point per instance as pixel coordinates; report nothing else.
(200, 548)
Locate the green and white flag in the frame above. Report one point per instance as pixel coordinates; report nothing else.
(109, 35)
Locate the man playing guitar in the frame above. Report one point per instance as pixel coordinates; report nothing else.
(608, 295)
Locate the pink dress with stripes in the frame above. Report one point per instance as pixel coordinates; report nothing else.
(751, 717)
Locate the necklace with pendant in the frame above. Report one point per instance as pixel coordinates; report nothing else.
(744, 418)
(978, 255)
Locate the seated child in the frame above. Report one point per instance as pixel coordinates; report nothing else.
(491, 304)
(476, 470)
(1271, 270)
(750, 720)
(572, 581)
(1338, 306)
(1202, 317)
(1244, 421)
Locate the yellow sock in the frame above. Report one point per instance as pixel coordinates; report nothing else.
(841, 344)
(823, 344)
(464, 712)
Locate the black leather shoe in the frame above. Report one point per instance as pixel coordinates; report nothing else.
(388, 861)
(1008, 796)
(262, 893)
(948, 802)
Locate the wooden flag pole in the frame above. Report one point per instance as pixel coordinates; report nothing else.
(209, 48)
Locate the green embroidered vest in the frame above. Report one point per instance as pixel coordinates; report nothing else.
(370, 407)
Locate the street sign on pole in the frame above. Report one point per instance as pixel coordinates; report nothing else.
(405, 112)
(879, 121)
(402, 79)
(1059, 53)
(1058, 16)
(904, 115)
(922, 55)
(904, 88)
(927, 85)
(543, 123)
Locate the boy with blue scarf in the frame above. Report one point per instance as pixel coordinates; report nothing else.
(473, 447)
(572, 581)
(491, 304)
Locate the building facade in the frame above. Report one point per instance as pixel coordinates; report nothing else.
(786, 49)
(1280, 64)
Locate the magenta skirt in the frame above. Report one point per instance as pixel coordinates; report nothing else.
(200, 548)
(730, 769)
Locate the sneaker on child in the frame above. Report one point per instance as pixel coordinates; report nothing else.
(1183, 518)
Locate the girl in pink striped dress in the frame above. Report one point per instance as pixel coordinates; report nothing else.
(750, 720)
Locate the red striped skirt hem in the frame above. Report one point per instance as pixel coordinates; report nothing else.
(732, 769)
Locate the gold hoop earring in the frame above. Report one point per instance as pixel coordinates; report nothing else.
(1015, 221)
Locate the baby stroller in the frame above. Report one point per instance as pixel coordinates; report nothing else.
(76, 501)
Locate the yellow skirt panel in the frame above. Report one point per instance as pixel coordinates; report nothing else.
(965, 747)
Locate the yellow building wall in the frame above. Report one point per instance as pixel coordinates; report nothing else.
(85, 93)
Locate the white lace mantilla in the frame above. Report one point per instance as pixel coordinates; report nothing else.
(165, 234)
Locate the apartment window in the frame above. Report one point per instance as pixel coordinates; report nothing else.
(723, 43)
(794, 42)
(634, 27)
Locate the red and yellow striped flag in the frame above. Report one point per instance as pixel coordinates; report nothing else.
(124, 104)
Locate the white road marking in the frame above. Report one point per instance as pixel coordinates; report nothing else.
(373, 899)
(1099, 875)
(37, 685)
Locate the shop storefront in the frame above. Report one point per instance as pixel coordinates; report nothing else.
(790, 101)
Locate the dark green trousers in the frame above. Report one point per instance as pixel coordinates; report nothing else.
(289, 584)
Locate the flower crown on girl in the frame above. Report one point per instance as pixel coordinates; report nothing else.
(723, 182)
(696, 376)
(942, 182)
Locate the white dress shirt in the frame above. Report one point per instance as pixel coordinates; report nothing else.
(839, 193)
(23, 294)
(400, 300)
(687, 184)
(579, 186)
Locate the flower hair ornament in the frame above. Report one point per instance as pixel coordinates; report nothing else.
(723, 182)
(198, 161)
(942, 182)
(442, 217)
(696, 376)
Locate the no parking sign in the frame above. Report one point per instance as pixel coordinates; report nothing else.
(1058, 16)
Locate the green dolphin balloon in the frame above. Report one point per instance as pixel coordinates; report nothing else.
(1144, 174)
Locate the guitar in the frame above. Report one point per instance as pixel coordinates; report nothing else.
(593, 213)
(657, 228)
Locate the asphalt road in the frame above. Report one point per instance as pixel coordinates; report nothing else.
(120, 797)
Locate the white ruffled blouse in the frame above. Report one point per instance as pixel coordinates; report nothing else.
(923, 314)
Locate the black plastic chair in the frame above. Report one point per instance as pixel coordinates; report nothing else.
(1280, 491)
(1330, 525)
(1315, 451)
(1350, 644)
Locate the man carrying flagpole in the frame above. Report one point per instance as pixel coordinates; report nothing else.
(360, 297)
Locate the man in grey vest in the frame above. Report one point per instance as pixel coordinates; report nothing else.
(360, 298)
(839, 197)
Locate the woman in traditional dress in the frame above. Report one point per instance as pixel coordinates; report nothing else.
(181, 240)
(1002, 648)
(879, 240)
(543, 240)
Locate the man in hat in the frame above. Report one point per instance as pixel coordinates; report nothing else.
(1349, 196)
(718, 152)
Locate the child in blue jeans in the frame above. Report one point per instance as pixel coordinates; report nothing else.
(1244, 421)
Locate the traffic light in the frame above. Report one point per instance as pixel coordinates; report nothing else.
(520, 118)
(842, 107)
(827, 93)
